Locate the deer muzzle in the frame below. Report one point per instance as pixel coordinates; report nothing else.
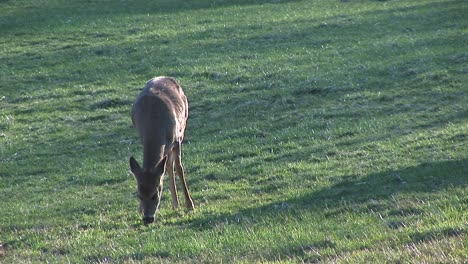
(148, 219)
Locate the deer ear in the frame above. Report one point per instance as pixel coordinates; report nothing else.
(134, 166)
(160, 168)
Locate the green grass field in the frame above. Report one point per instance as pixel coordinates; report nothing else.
(325, 131)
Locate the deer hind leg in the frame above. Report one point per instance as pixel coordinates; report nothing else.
(172, 182)
(180, 171)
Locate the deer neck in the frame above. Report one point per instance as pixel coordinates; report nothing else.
(152, 153)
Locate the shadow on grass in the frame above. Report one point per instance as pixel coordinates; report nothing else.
(44, 14)
(338, 32)
(424, 178)
(371, 194)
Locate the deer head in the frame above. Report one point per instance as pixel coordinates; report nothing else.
(149, 185)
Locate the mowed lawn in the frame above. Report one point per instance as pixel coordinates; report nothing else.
(320, 131)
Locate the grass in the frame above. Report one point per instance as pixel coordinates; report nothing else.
(320, 131)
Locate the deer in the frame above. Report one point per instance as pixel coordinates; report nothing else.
(159, 115)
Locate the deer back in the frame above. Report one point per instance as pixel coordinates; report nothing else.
(160, 114)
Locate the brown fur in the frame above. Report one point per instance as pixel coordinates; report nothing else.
(159, 115)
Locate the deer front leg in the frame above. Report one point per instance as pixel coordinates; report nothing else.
(180, 171)
(172, 182)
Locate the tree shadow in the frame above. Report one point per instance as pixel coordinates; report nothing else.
(423, 178)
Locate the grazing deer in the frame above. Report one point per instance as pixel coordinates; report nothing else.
(159, 115)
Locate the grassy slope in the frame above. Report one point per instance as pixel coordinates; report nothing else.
(325, 130)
